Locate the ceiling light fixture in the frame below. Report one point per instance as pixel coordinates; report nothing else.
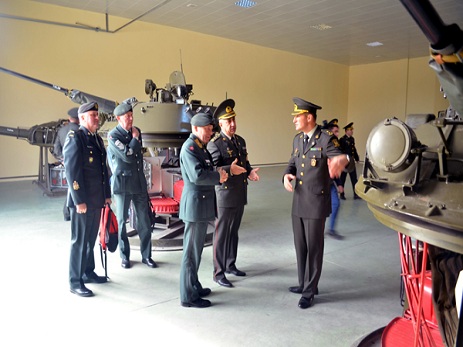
(374, 44)
(245, 3)
(321, 27)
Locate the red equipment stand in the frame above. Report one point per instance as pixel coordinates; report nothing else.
(418, 326)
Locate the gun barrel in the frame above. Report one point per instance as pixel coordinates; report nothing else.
(15, 132)
(35, 80)
(438, 34)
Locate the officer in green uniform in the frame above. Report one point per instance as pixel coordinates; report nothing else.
(197, 206)
(229, 152)
(128, 183)
(87, 176)
(347, 142)
(316, 159)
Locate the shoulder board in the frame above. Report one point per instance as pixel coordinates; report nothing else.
(328, 132)
(300, 134)
(200, 145)
(216, 136)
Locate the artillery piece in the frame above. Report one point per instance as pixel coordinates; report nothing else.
(414, 185)
(165, 122)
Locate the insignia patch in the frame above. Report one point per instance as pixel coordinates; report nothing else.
(336, 143)
(191, 148)
(313, 162)
(90, 160)
(75, 185)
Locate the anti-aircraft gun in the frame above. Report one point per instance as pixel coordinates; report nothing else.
(165, 122)
(42, 135)
(414, 185)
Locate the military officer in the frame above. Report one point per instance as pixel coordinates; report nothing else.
(87, 176)
(128, 183)
(315, 159)
(197, 206)
(73, 124)
(229, 152)
(347, 142)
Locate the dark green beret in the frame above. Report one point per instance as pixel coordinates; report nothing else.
(122, 109)
(88, 106)
(73, 112)
(225, 110)
(201, 119)
(302, 106)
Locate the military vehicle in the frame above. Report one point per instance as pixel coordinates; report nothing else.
(414, 185)
(165, 123)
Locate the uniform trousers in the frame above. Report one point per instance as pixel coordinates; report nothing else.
(353, 178)
(193, 244)
(84, 231)
(140, 205)
(309, 241)
(225, 246)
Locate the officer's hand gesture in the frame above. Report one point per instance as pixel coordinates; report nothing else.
(287, 182)
(235, 169)
(223, 174)
(253, 176)
(135, 132)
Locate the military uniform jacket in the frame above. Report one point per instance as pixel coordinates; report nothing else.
(61, 139)
(126, 162)
(348, 147)
(86, 170)
(233, 192)
(198, 203)
(312, 196)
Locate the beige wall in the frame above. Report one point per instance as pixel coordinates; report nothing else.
(262, 81)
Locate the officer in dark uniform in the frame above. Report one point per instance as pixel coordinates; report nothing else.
(73, 124)
(316, 159)
(197, 206)
(128, 183)
(347, 142)
(229, 152)
(87, 176)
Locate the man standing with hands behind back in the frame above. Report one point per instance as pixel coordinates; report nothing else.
(315, 159)
(129, 183)
(197, 206)
(88, 180)
(229, 152)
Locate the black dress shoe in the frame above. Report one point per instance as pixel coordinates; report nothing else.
(82, 291)
(295, 290)
(92, 277)
(236, 272)
(342, 196)
(126, 264)
(150, 262)
(198, 303)
(204, 292)
(356, 197)
(224, 282)
(305, 302)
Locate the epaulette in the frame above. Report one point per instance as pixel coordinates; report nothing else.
(216, 136)
(328, 132)
(299, 134)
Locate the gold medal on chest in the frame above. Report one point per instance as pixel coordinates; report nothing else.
(313, 162)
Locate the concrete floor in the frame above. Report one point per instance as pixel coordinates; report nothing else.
(359, 287)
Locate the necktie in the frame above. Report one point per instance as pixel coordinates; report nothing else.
(235, 142)
(306, 142)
